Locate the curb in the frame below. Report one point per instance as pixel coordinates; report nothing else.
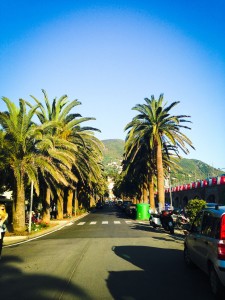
(16, 240)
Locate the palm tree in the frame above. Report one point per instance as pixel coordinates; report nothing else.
(163, 131)
(140, 162)
(87, 148)
(23, 153)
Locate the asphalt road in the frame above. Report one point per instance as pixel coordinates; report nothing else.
(101, 256)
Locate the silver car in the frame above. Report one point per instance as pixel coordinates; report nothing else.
(204, 246)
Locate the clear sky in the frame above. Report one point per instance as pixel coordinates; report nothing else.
(110, 55)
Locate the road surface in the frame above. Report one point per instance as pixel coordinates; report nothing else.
(104, 255)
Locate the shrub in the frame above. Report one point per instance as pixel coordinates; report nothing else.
(194, 206)
(38, 226)
(80, 211)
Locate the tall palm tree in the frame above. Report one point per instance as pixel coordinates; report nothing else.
(88, 168)
(163, 130)
(87, 148)
(140, 160)
(22, 151)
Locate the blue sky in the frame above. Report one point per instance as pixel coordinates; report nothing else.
(110, 55)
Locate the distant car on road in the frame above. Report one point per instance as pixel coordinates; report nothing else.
(99, 204)
(125, 203)
(131, 210)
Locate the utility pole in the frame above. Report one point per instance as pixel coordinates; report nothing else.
(31, 205)
(171, 200)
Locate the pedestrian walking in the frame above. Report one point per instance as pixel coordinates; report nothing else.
(3, 219)
(53, 210)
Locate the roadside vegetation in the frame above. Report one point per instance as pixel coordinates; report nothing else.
(154, 139)
(193, 207)
(45, 144)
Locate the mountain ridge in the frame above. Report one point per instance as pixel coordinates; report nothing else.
(189, 169)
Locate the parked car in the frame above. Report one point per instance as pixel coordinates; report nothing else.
(204, 246)
(99, 204)
(119, 203)
(131, 210)
(125, 203)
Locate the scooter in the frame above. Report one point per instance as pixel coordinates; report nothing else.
(164, 220)
(154, 220)
(181, 221)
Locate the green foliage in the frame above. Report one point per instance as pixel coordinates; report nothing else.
(80, 211)
(113, 151)
(38, 226)
(53, 155)
(192, 170)
(194, 206)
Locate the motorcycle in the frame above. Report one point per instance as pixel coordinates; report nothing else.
(181, 220)
(163, 219)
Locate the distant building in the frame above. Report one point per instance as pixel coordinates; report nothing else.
(110, 187)
(116, 166)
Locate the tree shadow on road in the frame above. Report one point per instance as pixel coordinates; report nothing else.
(14, 284)
(161, 274)
(177, 236)
(142, 227)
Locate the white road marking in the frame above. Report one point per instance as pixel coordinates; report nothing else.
(69, 224)
(103, 223)
(81, 223)
(116, 222)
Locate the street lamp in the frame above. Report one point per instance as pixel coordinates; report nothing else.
(171, 200)
(31, 204)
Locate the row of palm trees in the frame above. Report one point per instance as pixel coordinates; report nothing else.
(46, 145)
(152, 146)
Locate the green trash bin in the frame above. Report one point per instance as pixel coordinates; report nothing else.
(143, 211)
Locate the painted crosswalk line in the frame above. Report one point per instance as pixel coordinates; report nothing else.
(81, 223)
(69, 224)
(105, 222)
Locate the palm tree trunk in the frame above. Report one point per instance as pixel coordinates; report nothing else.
(160, 176)
(92, 199)
(151, 193)
(70, 202)
(19, 209)
(46, 205)
(60, 194)
(145, 193)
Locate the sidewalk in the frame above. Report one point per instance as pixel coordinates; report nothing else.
(59, 224)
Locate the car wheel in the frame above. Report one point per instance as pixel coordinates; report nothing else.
(187, 257)
(215, 283)
(171, 230)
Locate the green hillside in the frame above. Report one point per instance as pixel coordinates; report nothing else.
(113, 151)
(189, 169)
(192, 170)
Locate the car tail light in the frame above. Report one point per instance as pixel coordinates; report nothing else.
(221, 244)
(221, 250)
(222, 228)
